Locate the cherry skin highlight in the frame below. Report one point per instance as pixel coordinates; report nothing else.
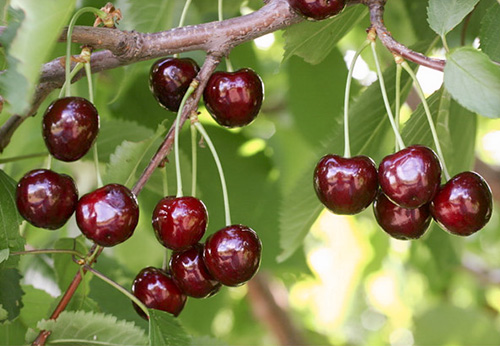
(232, 254)
(234, 98)
(317, 9)
(108, 215)
(401, 223)
(179, 222)
(69, 126)
(157, 290)
(411, 177)
(346, 185)
(45, 198)
(190, 273)
(463, 205)
(169, 79)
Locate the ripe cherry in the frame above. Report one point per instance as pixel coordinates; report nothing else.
(232, 254)
(108, 215)
(317, 9)
(234, 98)
(411, 177)
(346, 185)
(463, 205)
(398, 222)
(45, 198)
(169, 80)
(70, 126)
(157, 290)
(179, 222)
(190, 273)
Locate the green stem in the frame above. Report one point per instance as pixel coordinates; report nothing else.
(73, 73)
(49, 162)
(164, 180)
(420, 93)
(194, 160)
(48, 251)
(445, 43)
(227, 213)
(220, 10)
(347, 145)
(386, 99)
(397, 116)
(176, 140)
(21, 157)
(184, 12)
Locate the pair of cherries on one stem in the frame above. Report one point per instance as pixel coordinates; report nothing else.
(230, 257)
(410, 192)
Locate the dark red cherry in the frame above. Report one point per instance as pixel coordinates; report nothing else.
(398, 222)
(190, 273)
(317, 9)
(411, 177)
(157, 290)
(108, 215)
(169, 80)
(179, 222)
(346, 185)
(45, 198)
(70, 126)
(234, 98)
(232, 254)
(463, 205)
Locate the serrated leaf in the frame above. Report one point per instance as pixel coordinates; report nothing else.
(87, 328)
(10, 292)
(165, 330)
(3, 314)
(473, 80)
(490, 33)
(444, 15)
(313, 41)
(40, 26)
(37, 306)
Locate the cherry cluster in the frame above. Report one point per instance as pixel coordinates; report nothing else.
(410, 194)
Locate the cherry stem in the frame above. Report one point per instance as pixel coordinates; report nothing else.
(73, 73)
(397, 109)
(386, 99)
(164, 180)
(49, 162)
(48, 251)
(420, 93)
(210, 144)
(194, 160)
(347, 146)
(184, 12)
(220, 11)
(176, 140)
(117, 287)
(21, 157)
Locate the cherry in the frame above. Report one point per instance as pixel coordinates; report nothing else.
(346, 185)
(179, 222)
(234, 98)
(70, 126)
(169, 80)
(108, 215)
(398, 222)
(190, 273)
(411, 177)
(45, 198)
(157, 290)
(463, 205)
(232, 254)
(317, 9)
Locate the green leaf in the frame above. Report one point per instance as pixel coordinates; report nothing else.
(313, 41)
(4, 254)
(10, 238)
(36, 33)
(473, 80)
(490, 33)
(10, 292)
(165, 330)
(444, 15)
(3, 314)
(37, 306)
(12, 333)
(87, 328)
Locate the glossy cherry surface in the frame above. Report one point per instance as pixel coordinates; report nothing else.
(169, 80)
(157, 290)
(317, 9)
(45, 198)
(234, 98)
(411, 177)
(191, 274)
(346, 185)
(232, 254)
(108, 215)
(463, 205)
(179, 222)
(401, 223)
(70, 126)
